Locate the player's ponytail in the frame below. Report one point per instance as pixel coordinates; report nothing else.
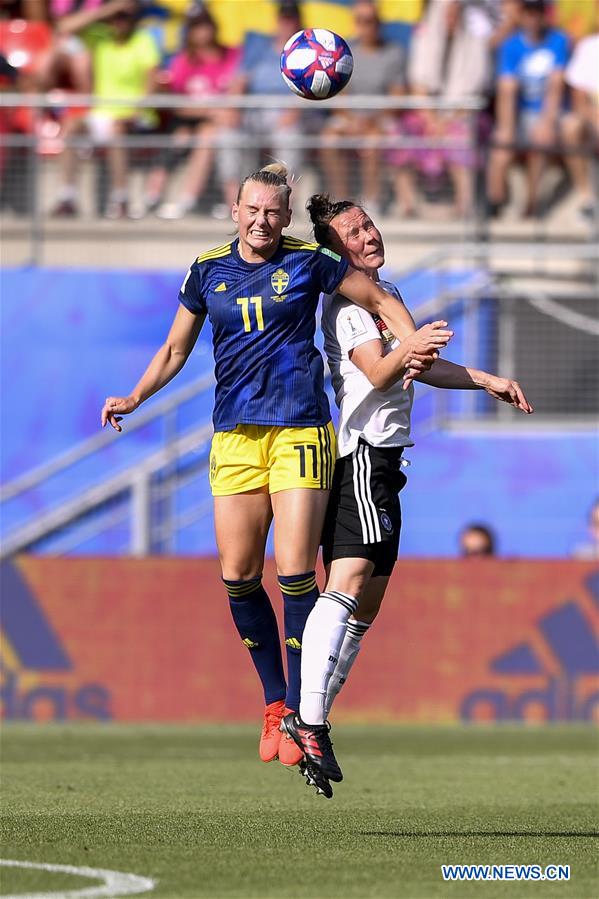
(273, 175)
(322, 210)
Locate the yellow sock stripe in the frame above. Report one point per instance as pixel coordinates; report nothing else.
(307, 580)
(292, 590)
(243, 589)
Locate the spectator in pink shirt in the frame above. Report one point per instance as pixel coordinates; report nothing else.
(203, 69)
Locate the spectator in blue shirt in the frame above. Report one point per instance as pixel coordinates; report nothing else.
(530, 95)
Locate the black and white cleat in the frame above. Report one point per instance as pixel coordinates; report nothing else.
(315, 778)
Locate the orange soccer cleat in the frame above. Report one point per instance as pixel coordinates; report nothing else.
(289, 752)
(270, 737)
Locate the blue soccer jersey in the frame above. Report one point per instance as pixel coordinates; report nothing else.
(263, 317)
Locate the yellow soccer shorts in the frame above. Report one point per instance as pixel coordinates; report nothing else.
(254, 456)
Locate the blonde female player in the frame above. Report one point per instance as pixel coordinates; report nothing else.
(363, 521)
(273, 449)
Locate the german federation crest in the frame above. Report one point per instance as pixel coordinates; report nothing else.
(279, 281)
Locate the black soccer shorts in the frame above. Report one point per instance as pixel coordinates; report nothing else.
(363, 517)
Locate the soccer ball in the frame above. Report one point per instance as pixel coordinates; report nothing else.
(316, 64)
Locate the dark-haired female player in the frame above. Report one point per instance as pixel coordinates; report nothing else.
(273, 450)
(363, 521)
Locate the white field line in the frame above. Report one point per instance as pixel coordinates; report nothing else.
(115, 883)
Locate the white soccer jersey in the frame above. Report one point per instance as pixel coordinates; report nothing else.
(382, 418)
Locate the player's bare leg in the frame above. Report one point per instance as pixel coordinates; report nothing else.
(242, 522)
(299, 516)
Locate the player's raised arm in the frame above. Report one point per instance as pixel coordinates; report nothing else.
(168, 361)
(458, 377)
(415, 354)
(365, 292)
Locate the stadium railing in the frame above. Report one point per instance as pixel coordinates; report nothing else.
(30, 175)
(523, 306)
(497, 328)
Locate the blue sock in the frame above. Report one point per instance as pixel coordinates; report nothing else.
(299, 595)
(256, 623)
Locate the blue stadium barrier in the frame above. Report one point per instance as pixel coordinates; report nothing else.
(70, 337)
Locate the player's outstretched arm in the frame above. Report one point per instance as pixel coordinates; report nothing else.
(415, 354)
(457, 377)
(365, 292)
(168, 361)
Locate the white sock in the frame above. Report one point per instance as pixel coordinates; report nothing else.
(348, 653)
(321, 642)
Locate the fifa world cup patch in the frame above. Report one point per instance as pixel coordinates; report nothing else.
(279, 281)
(352, 324)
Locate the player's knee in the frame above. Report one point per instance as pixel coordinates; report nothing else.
(368, 610)
(350, 575)
(244, 571)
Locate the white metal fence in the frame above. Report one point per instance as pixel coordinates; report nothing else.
(32, 169)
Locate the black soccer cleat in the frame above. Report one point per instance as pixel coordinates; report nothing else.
(315, 743)
(315, 778)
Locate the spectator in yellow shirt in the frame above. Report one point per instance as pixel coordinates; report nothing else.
(125, 61)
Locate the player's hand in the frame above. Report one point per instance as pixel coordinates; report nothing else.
(421, 362)
(115, 407)
(508, 391)
(424, 345)
(429, 339)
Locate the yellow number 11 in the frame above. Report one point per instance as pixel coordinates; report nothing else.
(245, 312)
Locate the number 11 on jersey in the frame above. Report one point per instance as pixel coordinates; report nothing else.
(244, 302)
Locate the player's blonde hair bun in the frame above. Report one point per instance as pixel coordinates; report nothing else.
(277, 168)
(273, 175)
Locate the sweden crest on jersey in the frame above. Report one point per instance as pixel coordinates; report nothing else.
(279, 282)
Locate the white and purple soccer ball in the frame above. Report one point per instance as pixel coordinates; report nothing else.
(316, 63)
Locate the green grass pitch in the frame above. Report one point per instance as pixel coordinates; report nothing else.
(197, 811)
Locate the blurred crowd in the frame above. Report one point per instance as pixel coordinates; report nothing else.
(534, 64)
